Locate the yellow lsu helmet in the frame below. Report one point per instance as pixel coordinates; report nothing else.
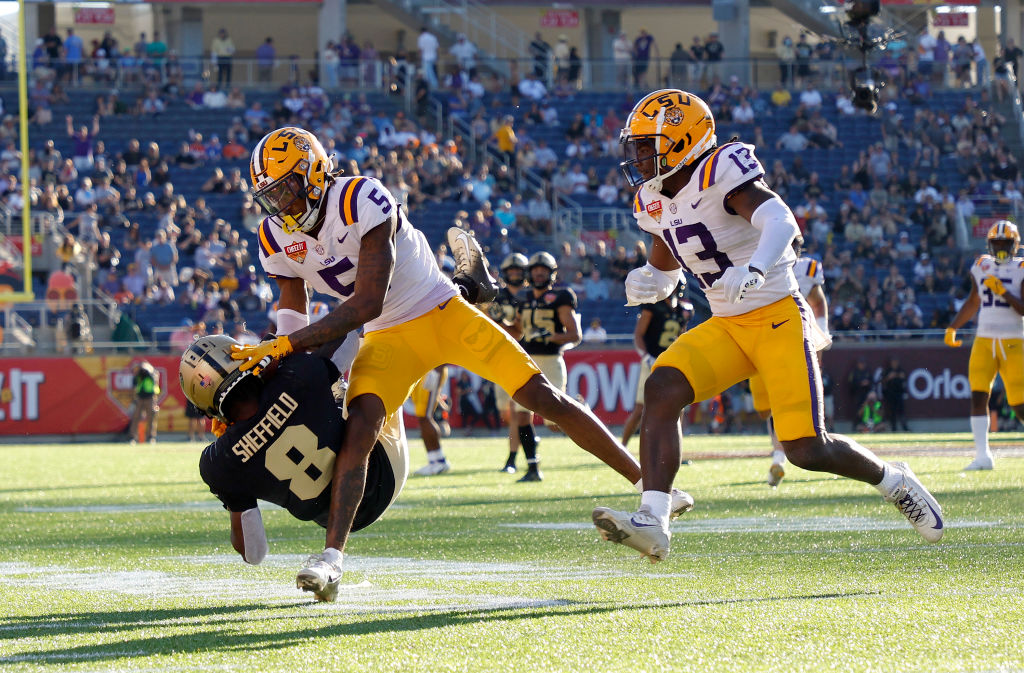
(1003, 241)
(207, 374)
(669, 127)
(289, 170)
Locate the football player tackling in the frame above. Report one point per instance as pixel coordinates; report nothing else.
(348, 238)
(997, 286)
(711, 213)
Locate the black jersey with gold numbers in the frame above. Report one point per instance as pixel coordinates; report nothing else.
(505, 306)
(667, 323)
(540, 319)
(285, 453)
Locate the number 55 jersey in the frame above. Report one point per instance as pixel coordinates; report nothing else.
(706, 237)
(285, 453)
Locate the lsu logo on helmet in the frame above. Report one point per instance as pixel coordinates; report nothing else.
(670, 128)
(289, 170)
(1003, 241)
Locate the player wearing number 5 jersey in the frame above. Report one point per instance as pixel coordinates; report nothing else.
(711, 213)
(348, 237)
(283, 434)
(996, 290)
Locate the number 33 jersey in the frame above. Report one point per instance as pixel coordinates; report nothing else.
(706, 237)
(329, 262)
(996, 318)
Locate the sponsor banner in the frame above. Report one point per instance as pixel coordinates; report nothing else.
(560, 18)
(950, 20)
(82, 395)
(94, 15)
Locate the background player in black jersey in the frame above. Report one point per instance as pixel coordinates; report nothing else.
(657, 327)
(283, 433)
(549, 324)
(503, 310)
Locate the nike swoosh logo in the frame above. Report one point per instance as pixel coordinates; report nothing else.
(938, 518)
(441, 307)
(777, 325)
(342, 239)
(465, 242)
(636, 523)
(697, 202)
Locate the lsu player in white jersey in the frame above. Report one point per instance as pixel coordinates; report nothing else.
(710, 212)
(348, 237)
(810, 281)
(997, 287)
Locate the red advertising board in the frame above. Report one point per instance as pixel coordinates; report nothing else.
(93, 395)
(560, 18)
(950, 20)
(94, 15)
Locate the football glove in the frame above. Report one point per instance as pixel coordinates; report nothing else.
(218, 428)
(994, 284)
(541, 336)
(951, 339)
(256, 356)
(737, 281)
(649, 284)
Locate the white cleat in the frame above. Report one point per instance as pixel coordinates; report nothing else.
(639, 530)
(433, 468)
(914, 501)
(471, 263)
(682, 502)
(980, 464)
(775, 474)
(320, 577)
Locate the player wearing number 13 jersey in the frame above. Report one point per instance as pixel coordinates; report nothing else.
(711, 213)
(347, 237)
(996, 290)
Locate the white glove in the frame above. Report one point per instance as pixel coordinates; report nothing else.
(737, 281)
(648, 284)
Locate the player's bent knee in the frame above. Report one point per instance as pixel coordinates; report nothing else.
(809, 453)
(666, 392)
(539, 396)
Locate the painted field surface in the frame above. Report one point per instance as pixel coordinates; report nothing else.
(116, 558)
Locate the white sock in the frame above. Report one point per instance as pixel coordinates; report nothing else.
(979, 428)
(659, 504)
(436, 456)
(778, 455)
(639, 486)
(332, 556)
(890, 479)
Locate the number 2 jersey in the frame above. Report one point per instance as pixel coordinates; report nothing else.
(706, 237)
(285, 453)
(355, 205)
(667, 323)
(996, 318)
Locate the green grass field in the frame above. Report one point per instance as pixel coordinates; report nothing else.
(117, 558)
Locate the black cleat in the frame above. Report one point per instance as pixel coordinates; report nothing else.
(533, 474)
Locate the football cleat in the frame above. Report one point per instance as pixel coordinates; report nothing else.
(775, 474)
(320, 577)
(532, 474)
(509, 468)
(432, 468)
(639, 530)
(985, 463)
(682, 502)
(914, 501)
(470, 263)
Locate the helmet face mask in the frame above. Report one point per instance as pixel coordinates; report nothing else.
(546, 261)
(666, 131)
(1003, 241)
(289, 170)
(513, 269)
(207, 374)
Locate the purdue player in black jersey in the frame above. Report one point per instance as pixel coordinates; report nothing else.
(657, 327)
(283, 433)
(503, 310)
(549, 324)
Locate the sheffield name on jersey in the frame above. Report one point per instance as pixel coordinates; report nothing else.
(540, 316)
(354, 206)
(285, 453)
(705, 237)
(996, 318)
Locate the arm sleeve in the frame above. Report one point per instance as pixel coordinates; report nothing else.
(775, 221)
(254, 535)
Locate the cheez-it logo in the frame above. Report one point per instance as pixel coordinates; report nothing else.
(296, 251)
(654, 209)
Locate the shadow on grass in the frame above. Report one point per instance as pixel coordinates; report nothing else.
(210, 634)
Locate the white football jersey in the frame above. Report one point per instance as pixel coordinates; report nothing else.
(355, 205)
(808, 274)
(706, 238)
(996, 318)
